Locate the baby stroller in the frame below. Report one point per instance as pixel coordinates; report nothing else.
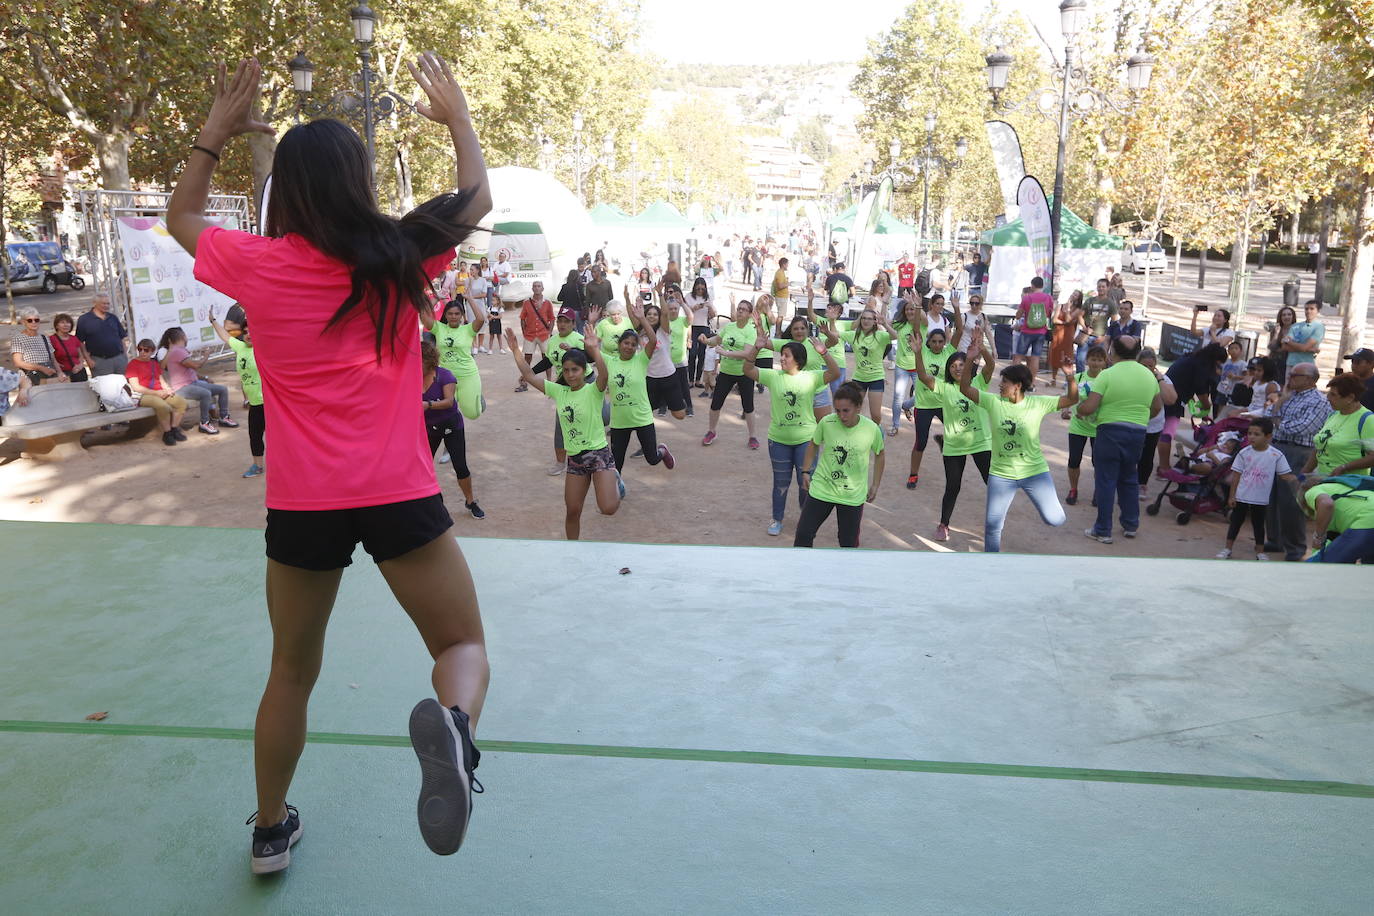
(1194, 494)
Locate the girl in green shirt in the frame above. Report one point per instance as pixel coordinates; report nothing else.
(454, 340)
(839, 451)
(934, 342)
(734, 339)
(590, 462)
(869, 339)
(1080, 429)
(791, 420)
(966, 428)
(628, 391)
(1017, 462)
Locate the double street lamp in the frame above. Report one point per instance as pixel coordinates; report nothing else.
(925, 163)
(1073, 96)
(364, 102)
(577, 158)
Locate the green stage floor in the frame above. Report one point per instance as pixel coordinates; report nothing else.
(723, 730)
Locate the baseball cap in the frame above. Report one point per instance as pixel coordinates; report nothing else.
(1364, 354)
(568, 314)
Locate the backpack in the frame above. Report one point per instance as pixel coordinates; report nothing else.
(113, 392)
(923, 281)
(839, 293)
(1036, 317)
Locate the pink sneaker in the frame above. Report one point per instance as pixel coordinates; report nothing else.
(666, 457)
(753, 443)
(709, 437)
(942, 532)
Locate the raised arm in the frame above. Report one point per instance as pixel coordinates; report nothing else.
(921, 372)
(427, 318)
(832, 368)
(219, 328)
(448, 106)
(989, 360)
(965, 378)
(592, 345)
(1070, 395)
(526, 375)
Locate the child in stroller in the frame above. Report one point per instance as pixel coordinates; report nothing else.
(1196, 484)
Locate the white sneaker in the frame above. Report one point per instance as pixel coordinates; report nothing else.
(1224, 553)
(1262, 557)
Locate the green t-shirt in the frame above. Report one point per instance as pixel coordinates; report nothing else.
(935, 365)
(966, 427)
(1355, 511)
(1015, 429)
(838, 352)
(680, 327)
(557, 347)
(868, 353)
(791, 418)
(814, 361)
(906, 357)
(1127, 390)
(736, 339)
(628, 391)
(1077, 425)
(841, 475)
(1341, 441)
(455, 348)
(579, 413)
(610, 333)
(246, 361)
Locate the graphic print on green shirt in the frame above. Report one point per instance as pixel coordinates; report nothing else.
(455, 348)
(579, 414)
(935, 365)
(966, 427)
(841, 475)
(1077, 425)
(868, 353)
(628, 390)
(1341, 440)
(610, 333)
(679, 327)
(791, 417)
(814, 361)
(558, 346)
(734, 338)
(1015, 429)
(247, 364)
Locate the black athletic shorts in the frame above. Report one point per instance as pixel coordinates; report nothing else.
(324, 539)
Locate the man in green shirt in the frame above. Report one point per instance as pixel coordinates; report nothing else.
(1124, 396)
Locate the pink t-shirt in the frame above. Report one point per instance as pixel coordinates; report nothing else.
(177, 374)
(346, 429)
(1023, 312)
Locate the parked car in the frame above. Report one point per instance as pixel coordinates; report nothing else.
(40, 266)
(1142, 255)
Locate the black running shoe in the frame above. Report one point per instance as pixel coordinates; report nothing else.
(447, 758)
(272, 845)
(180, 436)
(475, 509)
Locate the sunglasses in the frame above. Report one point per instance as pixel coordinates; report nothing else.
(145, 349)
(32, 320)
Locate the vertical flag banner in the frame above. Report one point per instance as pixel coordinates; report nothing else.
(162, 290)
(1011, 166)
(1035, 214)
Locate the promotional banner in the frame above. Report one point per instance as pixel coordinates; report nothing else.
(1035, 214)
(163, 293)
(1011, 166)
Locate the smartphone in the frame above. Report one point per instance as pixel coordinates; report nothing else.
(1200, 308)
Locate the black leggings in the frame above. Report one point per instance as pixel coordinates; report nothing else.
(686, 386)
(257, 425)
(1076, 445)
(923, 417)
(1256, 514)
(726, 381)
(696, 356)
(1147, 458)
(815, 511)
(648, 440)
(455, 440)
(954, 479)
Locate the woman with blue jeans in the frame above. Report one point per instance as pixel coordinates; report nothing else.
(904, 371)
(792, 420)
(1017, 462)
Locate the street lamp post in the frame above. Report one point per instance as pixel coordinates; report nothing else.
(634, 175)
(1074, 96)
(576, 159)
(925, 163)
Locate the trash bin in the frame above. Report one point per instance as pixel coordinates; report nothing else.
(1331, 286)
(1249, 341)
(1291, 288)
(1001, 336)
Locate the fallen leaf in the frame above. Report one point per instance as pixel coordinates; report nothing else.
(624, 570)
(35, 500)
(96, 716)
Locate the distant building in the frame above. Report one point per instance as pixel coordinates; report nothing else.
(781, 176)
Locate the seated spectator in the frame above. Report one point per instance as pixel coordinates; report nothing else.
(70, 359)
(1344, 522)
(1125, 323)
(145, 380)
(11, 380)
(185, 381)
(31, 352)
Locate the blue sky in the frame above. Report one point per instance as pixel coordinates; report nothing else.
(731, 32)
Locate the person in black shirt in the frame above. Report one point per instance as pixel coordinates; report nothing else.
(1362, 367)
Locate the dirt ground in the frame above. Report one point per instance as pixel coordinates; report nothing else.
(716, 495)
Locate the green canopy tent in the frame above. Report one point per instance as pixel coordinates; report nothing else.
(887, 223)
(608, 215)
(661, 215)
(1084, 256)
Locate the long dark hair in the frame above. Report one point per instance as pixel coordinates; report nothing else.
(700, 283)
(322, 191)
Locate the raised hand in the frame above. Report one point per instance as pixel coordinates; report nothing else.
(231, 113)
(512, 341)
(447, 103)
(593, 315)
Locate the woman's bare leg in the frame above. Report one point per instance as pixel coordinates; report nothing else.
(434, 586)
(298, 604)
(575, 488)
(875, 406)
(607, 493)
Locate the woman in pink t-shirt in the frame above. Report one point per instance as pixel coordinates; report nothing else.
(333, 291)
(183, 373)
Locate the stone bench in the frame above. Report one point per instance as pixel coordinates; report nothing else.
(51, 425)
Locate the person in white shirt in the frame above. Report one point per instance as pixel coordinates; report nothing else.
(501, 273)
(1252, 479)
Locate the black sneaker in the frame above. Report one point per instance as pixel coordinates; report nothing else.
(447, 758)
(272, 845)
(168, 438)
(476, 510)
(176, 431)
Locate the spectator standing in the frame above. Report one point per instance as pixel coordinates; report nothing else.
(1254, 472)
(906, 277)
(1362, 367)
(1304, 339)
(1218, 332)
(839, 285)
(501, 273)
(1124, 397)
(782, 287)
(1278, 333)
(1098, 312)
(67, 348)
(1032, 327)
(1068, 320)
(1125, 324)
(570, 297)
(1298, 416)
(32, 352)
(977, 274)
(104, 342)
(756, 266)
(599, 292)
(536, 324)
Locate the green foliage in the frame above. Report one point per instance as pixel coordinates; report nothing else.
(813, 138)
